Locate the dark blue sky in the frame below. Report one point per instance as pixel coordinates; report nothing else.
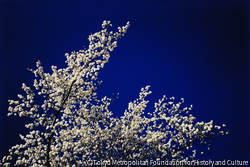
(184, 48)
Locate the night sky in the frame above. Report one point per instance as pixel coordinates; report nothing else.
(183, 48)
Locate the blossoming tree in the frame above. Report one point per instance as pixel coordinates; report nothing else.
(73, 126)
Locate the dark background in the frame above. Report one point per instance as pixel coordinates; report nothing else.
(183, 48)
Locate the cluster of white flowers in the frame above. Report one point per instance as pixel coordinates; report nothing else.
(72, 126)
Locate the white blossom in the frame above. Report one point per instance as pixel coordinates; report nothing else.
(72, 125)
